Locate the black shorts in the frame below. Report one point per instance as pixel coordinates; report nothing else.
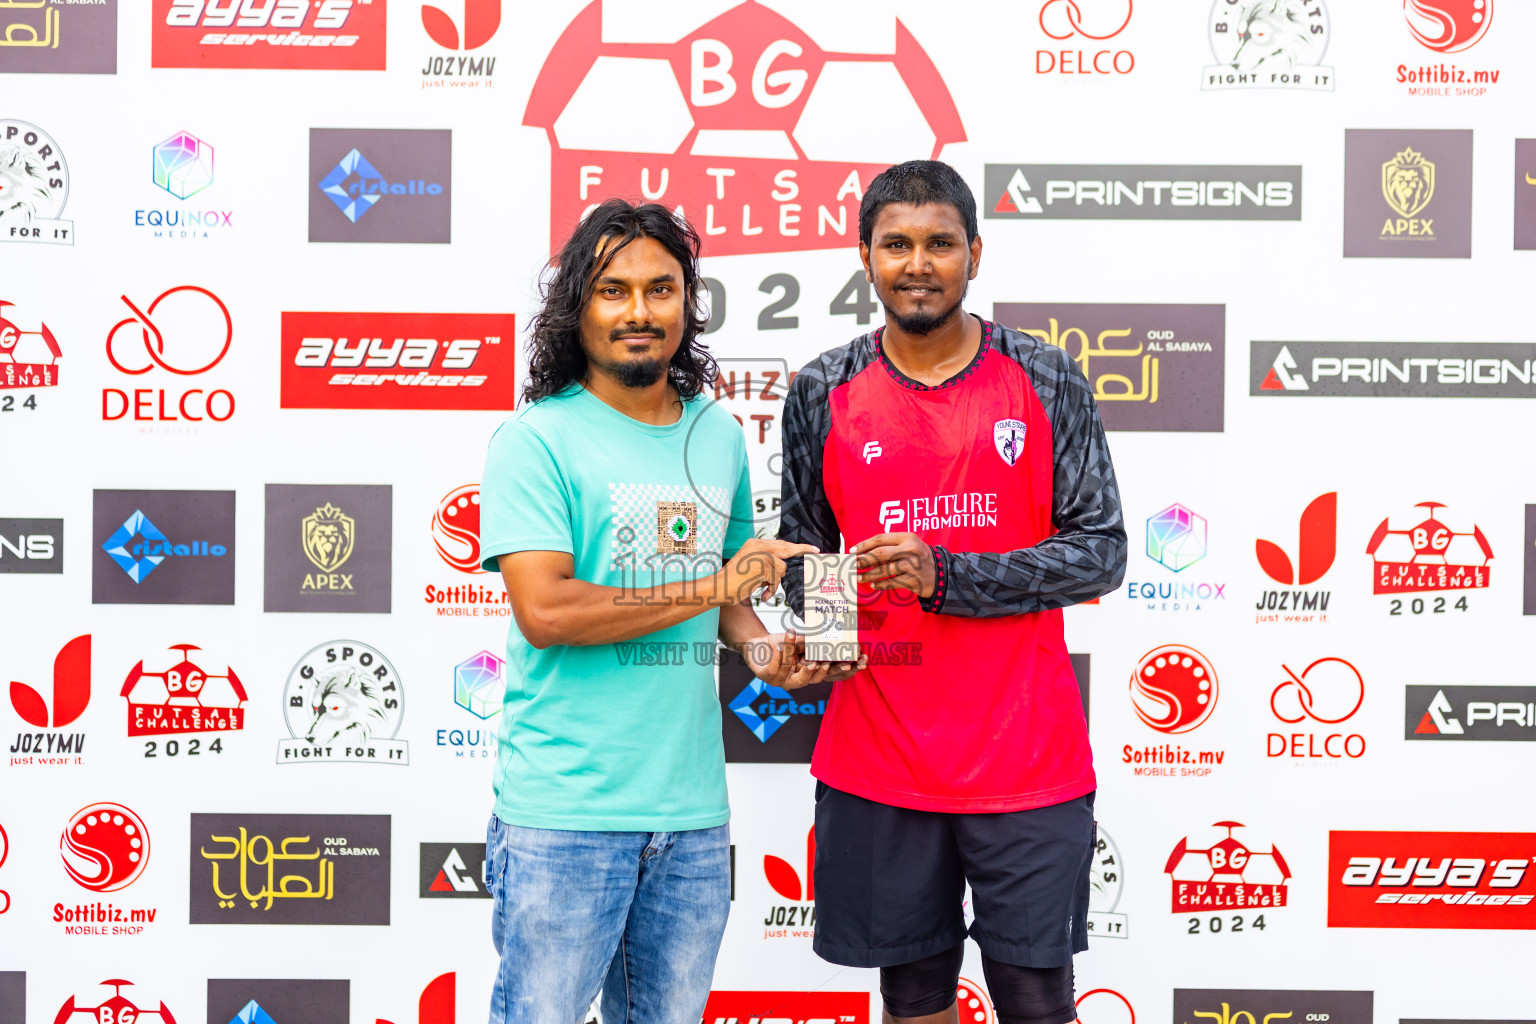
(890, 881)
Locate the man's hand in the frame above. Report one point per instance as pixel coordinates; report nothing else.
(897, 561)
(758, 566)
(779, 660)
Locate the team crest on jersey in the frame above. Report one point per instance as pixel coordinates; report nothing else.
(677, 528)
(1008, 436)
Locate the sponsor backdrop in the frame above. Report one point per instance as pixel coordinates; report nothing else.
(268, 269)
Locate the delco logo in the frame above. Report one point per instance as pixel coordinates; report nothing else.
(751, 132)
(1431, 880)
(343, 35)
(398, 361)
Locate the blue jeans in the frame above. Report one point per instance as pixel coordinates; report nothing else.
(639, 914)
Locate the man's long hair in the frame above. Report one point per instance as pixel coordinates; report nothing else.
(555, 355)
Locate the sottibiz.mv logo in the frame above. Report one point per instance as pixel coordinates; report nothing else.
(398, 361)
(1431, 880)
(753, 132)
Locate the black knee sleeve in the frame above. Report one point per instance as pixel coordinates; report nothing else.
(924, 986)
(1030, 995)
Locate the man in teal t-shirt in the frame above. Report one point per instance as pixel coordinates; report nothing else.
(617, 506)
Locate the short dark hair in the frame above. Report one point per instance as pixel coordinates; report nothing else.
(918, 183)
(555, 356)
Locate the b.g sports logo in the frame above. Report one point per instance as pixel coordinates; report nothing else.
(754, 133)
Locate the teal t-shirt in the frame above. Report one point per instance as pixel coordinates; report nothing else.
(615, 737)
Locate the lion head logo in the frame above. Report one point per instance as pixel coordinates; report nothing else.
(23, 187)
(1274, 33)
(328, 535)
(346, 703)
(1408, 182)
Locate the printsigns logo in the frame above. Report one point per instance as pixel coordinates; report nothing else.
(1428, 556)
(32, 546)
(1106, 884)
(23, 363)
(750, 114)
(1142, 192)
(1151, 366)
(1529, 606)
(1392, 369)
(105, 847)
(1228, 874)
(34, 186)
(290, 869)
(453, 871)
(336, 35)
(453, 361)
(50, 38)
(1269, 44)
(1479, 712)
(1407, 193)
(1174, 689)
(1229, 1006)
(276, 1001)
(328, 548)
(343, 702)
(183, 698)
(1431, 880)
(164, 547)
(380, 185)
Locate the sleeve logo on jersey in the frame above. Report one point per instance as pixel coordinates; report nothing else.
(1008, 437)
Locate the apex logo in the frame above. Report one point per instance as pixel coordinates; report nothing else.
(437, 1003)
(1315, 546)
(481, 20)
(1280, 376)
(71, 688)
(1017, 197)
(453, 871)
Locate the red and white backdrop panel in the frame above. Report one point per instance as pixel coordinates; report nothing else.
(268, 266)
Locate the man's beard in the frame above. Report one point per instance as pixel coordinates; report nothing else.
(926, 323)
(637, 373)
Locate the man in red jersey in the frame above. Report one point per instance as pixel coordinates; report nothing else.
(966, 465)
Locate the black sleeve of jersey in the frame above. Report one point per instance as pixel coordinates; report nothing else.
(1086, 557)
(805, 516)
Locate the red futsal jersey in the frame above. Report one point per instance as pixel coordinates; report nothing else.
(969, 703)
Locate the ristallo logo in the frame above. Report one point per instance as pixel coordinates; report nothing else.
(797, 918)
(1062, 21)
(1431, 880)
(1316, 545)
(70, 694)
(437, 1004)
(481, 20)
(1229, 872)
(1476, 712)
(750, 135)
(334, 35)
(185, 331)
(163, 547)
(381, 185)
(23, 363)
(182, 697)
(1426, 557)
(31, 546)
(1269, 44)
(1326, 693)
(447, 361)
